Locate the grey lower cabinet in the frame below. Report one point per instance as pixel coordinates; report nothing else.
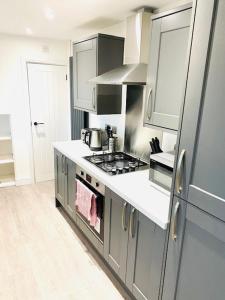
(65, 189)
(70, 187)
(195, 266)
(59, 165)
(167, 69)
(92, 57)
(134, 247)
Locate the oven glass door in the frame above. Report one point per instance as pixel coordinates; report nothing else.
(98, 229)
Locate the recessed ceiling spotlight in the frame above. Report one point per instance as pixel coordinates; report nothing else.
(49, 13)
(29, 31)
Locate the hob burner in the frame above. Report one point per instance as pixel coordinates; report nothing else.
(116, 163)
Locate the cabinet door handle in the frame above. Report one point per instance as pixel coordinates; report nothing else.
(132, 217)
(174, 222)
(63, 165)
(93, 97)
(124, 213)
(179, 173)
(148, 105)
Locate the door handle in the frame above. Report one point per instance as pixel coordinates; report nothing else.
(124, 225)
(148, 105)
(174, 222)
(65, 167)
(132, 217)
(179, 173)
(93, 97)
(63, 164)
(40, 123)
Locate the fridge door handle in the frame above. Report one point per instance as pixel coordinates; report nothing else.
(179, 174)
(174, 222)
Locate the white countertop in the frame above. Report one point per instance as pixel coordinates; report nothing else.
(135, 187)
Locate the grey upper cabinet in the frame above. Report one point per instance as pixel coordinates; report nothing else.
(145, 257)
(200, 174)
(200, 258)
(116, 233)
(70, 187)
(167, 69)
(134, 247)
(59, 163)
(93, 57)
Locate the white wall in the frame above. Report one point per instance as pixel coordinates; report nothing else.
(14, 98)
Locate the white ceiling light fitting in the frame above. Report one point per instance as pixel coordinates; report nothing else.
(28, 31)
(49, 13)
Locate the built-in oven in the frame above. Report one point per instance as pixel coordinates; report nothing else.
(93, 186)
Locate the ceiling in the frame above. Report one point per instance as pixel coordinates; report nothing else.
(66, 19)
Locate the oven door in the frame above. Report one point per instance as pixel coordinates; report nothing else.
(98, 230)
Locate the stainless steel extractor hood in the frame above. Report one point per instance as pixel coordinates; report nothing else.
(136, 52)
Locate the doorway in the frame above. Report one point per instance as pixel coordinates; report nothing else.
(49, 110)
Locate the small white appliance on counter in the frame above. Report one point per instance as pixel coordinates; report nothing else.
(161, 169)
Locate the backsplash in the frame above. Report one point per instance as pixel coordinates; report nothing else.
(139, 143)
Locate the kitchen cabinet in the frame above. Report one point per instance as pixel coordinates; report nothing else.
(65, 189)
(70, 187)
(167, 68)
(59, 177)
(116, 233)
(145, 257)
(200, 169)
(196, 259)
(134, 247)
(93, 57)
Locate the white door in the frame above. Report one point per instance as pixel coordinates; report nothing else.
(49, 106)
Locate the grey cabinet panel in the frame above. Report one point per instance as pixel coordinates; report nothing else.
(167, 69)
(174, 250)
(90, 59)
(116, 238)
(202, 261)
(145, 258)
(59, 163)
(85, 68)
(204, 163)
(70, 187)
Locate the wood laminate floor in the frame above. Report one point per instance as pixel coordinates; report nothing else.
(41, 257)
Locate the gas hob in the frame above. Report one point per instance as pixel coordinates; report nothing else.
(116, 163)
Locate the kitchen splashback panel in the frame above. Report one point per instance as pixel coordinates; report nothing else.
(137, 137)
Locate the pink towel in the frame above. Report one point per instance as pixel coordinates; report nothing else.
(86, 203)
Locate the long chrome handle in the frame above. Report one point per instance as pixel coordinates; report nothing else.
(148, 105)
(132, 222)
(63, 164)
(174, 222)
(93, 97)
(179, 173)
(65, 167)
(124, 212)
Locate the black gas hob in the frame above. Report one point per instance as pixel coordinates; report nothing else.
(116, 163)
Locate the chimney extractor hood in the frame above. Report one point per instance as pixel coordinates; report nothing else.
(136, 52)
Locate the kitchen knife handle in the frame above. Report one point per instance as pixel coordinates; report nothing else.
(148, 104)
(179, 172)
(132, 217)
(174, 222)
(124, 213)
